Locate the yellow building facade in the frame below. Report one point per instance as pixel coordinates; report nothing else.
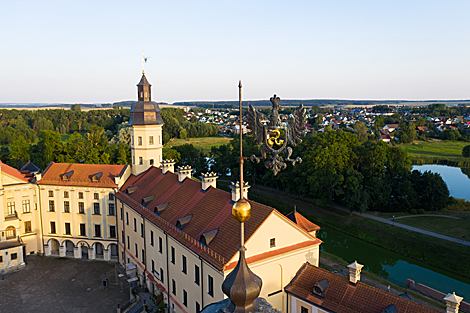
(78, 210)
(20, 228)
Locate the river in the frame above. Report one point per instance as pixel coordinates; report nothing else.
(393, 266)
(456, 179)
(390, 265)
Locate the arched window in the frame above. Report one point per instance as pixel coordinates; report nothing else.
(11, 232)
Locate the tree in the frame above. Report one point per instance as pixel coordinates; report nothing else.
(20, 152)
(75, 107)
(360, 129)
(466, 151)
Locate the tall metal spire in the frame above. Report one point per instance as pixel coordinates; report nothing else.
(242, 286)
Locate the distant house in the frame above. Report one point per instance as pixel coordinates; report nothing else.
(422, 128)
(385, 138)
(391, 127)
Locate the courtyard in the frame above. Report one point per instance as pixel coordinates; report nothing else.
(50, 284)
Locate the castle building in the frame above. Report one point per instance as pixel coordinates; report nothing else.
(146, 129)
(182, 237)
(78, 209)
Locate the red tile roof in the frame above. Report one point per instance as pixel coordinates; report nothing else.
(302, 222)
(82, 174)
(211, 209)
(343, 297)
(14, 172)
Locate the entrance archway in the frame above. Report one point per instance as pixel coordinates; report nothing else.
(113, 252)
(69, 246)
(54, 244)
(84, 252)
(99, 251)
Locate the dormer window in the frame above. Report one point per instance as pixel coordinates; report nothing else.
(320, 288)
(147, 200)
(131, 189)
(66, 176)
(207, 238)
(159, 208)
(96, 178)
(182, 222)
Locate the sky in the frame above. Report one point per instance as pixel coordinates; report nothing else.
(91, 51)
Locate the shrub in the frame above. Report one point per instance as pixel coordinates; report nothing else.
(458, 205)
(466, 151)
(421, 211)
(413, 211)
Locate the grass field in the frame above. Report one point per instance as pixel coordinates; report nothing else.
(204, 143)
(435, 151)
(443, 225)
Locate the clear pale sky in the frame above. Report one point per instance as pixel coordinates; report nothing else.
(90, 51)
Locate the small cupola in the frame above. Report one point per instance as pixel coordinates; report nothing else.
(144, 89)
(320, 288)
(168, 166)
(183, 172)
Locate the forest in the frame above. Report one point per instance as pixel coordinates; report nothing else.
(95, 136)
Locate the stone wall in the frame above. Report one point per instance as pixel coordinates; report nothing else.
(433, 294)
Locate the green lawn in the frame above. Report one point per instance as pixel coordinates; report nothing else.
(443, 225)
(435, 150)
(204, 143)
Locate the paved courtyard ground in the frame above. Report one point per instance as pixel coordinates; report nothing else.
(49, 284)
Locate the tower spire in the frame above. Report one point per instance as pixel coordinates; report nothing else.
(242, 286)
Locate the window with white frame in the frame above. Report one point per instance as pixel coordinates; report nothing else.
(26, 206)
(11, 208)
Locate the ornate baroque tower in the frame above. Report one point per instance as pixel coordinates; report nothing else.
(146, 130)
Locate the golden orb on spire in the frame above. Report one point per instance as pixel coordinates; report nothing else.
(241, 210)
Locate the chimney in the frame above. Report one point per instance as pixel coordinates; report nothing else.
(38, 177)
(168, 166)
(355, 272)
(236, 190)
(183, 172)
(209, 179)
(452, 303)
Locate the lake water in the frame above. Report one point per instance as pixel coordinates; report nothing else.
(457, 182)
(390, 265)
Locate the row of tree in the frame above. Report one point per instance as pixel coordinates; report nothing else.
(338, 168)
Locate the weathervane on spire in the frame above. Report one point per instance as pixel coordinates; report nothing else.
(270, 135)
(144, 60)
